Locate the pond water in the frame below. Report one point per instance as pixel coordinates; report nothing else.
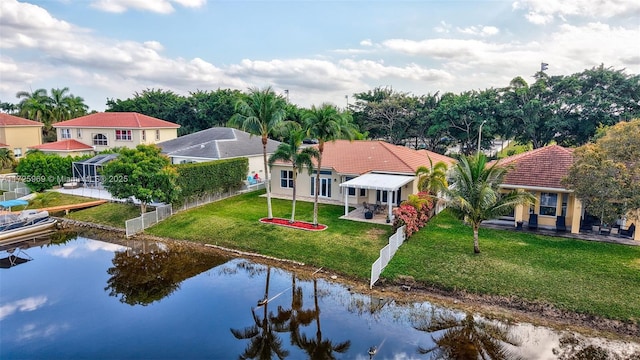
(142, 300)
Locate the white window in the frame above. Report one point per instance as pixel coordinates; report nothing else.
(123, 135)
(286, 179)
(548, 204)
(79, 134)
(17, 152)
(157, 134)
(100, 139)
(144, 135)
(65, 133)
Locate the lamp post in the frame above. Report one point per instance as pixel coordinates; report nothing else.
(480, 135)
(286, 92)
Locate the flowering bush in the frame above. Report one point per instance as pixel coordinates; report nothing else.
(413, 213)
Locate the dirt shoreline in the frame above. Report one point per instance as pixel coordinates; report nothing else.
(405, 290)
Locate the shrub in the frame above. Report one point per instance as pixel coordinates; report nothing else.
(413, 213)
(197, 179)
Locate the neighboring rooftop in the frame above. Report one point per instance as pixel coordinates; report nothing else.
(543, 167)
(10, 120)
(216, 143)
(126, 120)
(63, 145)
(363, 156)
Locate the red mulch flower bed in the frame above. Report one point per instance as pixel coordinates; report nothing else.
(302, 225)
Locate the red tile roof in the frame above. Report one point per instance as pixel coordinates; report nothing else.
(3, 145)
(436, 158)
(544, 167)
(63, 145)
(10, 120)
(359, 157)
(126, 120)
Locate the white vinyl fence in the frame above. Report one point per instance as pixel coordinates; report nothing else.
(386, 253)
(12, 189)
(136, 225)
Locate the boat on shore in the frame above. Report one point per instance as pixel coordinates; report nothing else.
(25, 223)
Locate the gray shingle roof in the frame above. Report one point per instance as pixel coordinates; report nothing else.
(216, 143)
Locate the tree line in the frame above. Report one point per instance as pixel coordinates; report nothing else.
(563, 109)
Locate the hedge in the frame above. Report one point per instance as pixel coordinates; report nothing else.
(196, 179)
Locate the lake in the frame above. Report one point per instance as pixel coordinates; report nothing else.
(126, 299)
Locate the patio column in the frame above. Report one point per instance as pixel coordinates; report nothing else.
(575, 216)
(517, 212)
(346, 200)
(390, 205)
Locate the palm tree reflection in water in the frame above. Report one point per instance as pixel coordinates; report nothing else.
(467, 338)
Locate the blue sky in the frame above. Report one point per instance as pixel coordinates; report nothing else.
(321, 51)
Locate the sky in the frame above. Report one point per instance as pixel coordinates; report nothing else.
(320, 51)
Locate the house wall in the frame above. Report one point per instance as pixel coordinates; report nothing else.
(70, 153)
(256, 163)
(19, 138)
(86, 135)
(337, 194)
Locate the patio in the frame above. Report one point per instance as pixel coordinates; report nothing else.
(358, 215)
(588, 236)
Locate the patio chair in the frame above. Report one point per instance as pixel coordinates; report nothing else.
(533, 222)
(629, 232)
(365, 206)
(561, 224)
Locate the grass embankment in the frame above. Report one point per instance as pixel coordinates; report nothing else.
(581, 276)
(346, 246)
(54, 198)
(110, 214)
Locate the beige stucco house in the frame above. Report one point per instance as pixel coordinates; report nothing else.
(356, 172)
(18, 134)
(108, 130)
(540, 172)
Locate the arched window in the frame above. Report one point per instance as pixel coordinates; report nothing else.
(99, 139)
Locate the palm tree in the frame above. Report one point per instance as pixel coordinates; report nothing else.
(299, 159)
(319, 348)
(6, 158)
(475, 195)
(261, 113)
(264, 340)
(468, 338)
(76, 106)
(432, 179)
(326, 123)
(34, 105)
(59, 104)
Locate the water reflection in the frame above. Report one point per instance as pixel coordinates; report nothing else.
(149, 271)
(468, 337)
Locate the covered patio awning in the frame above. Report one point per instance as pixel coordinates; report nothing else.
(375, 181)
(384, 182)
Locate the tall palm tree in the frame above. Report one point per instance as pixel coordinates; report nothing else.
(76, 106)
(468, 338)
(475, 195)
(326, 123)
(299, 159)
(320, 348)
(59, 104)
(34, 105)
(261, 113)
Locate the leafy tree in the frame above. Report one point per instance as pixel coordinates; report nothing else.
(144, 173)
(211, 108)
(42, 171)
(475, 194)
(326, 123)
(605, 175)
(299, 158)
(261, 113)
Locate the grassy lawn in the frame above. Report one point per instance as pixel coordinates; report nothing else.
(346, 246)
(581, 276)
(111, 214)
(54, 198)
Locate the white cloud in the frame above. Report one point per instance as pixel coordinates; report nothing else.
(26, 304)
(543, 11)
(443, 28)
(157, 6)
(479, 30)
(366, 42)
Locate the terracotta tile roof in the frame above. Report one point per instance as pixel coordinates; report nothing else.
(126, 120)
(3, 145)
(10, 120)
(435, 157)
(359, 157)
(543, 167)
(63, 145)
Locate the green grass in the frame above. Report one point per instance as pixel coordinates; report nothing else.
(581, 276)
(346, 246)
(54, 198)
(111, 214)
